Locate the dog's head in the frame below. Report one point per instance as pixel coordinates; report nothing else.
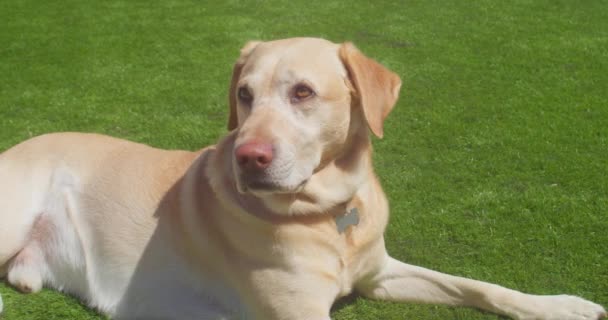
(298, 104)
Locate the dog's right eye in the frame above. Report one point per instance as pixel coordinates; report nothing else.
(245, 95)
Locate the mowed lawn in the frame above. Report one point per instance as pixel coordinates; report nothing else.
(495, 160)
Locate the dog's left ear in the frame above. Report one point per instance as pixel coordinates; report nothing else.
(377, 88)
(233, 120)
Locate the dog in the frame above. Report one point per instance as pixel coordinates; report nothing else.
(278, 220)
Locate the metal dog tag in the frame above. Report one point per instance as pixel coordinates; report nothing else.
(350, 218)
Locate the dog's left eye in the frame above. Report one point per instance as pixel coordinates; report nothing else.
(302, 92)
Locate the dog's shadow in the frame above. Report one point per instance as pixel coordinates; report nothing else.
(344, 302)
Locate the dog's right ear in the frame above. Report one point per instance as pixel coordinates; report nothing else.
(233, 120)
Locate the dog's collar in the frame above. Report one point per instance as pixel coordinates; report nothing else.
(347, 219)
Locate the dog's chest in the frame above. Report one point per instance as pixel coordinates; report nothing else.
(337, 251)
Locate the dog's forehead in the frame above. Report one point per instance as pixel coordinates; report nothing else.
(303, 56)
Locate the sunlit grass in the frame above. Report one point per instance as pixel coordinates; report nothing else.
(495, 159)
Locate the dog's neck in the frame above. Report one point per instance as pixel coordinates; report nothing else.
(330, 191)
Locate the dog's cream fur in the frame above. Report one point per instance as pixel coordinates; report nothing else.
(143, 233)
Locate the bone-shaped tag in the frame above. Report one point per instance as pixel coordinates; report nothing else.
(350, 218)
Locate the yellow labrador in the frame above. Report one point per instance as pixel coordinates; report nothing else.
(279, 219)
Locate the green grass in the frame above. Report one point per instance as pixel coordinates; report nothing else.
(495, 160)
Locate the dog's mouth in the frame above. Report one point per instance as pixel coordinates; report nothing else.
(262, 186)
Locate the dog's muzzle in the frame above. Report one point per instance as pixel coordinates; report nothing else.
(252, 159)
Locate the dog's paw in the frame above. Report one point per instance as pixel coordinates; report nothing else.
(26, 278)
(564, 307)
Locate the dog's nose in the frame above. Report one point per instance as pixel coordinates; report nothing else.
(254, 155)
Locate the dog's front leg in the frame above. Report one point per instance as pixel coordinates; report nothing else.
(398, 281)
(290, 309)
(273, 294)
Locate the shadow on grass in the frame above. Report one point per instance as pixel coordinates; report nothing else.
(344, 301)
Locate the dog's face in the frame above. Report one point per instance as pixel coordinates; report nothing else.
(296, 102)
